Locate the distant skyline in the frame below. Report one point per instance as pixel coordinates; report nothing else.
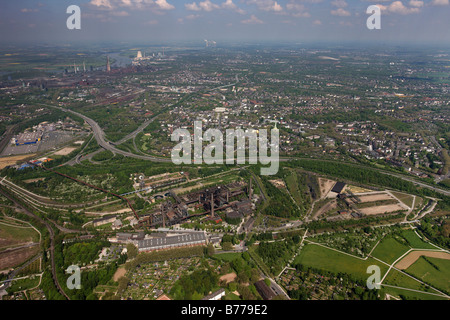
(160, 21)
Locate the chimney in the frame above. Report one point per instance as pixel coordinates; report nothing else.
(212, 204)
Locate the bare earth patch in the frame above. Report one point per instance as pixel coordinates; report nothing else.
(10, 161)
(278, 183)
(375, 197)
(412, 257)
(325, 186)
(382, 209)
(120, 272)
(64, 152)
(12, 258)
(228, 277)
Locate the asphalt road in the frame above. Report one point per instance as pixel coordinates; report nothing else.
(99, 135)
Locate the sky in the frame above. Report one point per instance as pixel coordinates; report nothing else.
(255, 21)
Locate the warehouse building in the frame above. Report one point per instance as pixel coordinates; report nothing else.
(169, 241)
(338, 187)
(28, 138)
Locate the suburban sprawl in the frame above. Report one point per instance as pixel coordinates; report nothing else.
(87, 177)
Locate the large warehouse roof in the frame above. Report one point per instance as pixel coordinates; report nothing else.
(180, 240)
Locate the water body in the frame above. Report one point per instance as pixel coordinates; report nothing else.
(120, 61)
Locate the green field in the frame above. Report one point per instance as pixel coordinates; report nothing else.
(405, 198)
(396, 278)
(24, 284)
(410, 295)
(227, 256)
(414, 241)
(435, 271)
(12, 235)
(389, 250)
(326, 259)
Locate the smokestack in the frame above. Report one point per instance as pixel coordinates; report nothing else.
(212, 204)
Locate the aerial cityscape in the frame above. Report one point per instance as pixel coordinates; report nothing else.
(180, 159)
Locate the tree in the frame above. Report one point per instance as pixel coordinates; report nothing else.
(132, 251)
(210, 250)
(227, 246)
(123, 284)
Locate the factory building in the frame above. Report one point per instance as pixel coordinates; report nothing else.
(168, 241)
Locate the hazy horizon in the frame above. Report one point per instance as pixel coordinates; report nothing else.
(410, 22)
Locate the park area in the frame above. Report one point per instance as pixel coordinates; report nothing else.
(410, 267)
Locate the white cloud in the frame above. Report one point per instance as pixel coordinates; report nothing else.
(153, 5)
(103, 4)
(399, 8)
(208, 6)
(339, 3)
(164, 5)
(416, 3)
(267, 5)
(440, 2)
(297, 9)
(192, 6)
(228, 4)
(340, 12)
(253, 20)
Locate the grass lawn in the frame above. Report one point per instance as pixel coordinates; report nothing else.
(16, 234)
(436, 273)
(410, 295)
(24, 284)
(414, 241)
(405, 198)
(227, 256)
(326, 259)
(396, 278)
(389, 250)
(292, 185)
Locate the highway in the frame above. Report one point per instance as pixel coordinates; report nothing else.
(99, 135)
